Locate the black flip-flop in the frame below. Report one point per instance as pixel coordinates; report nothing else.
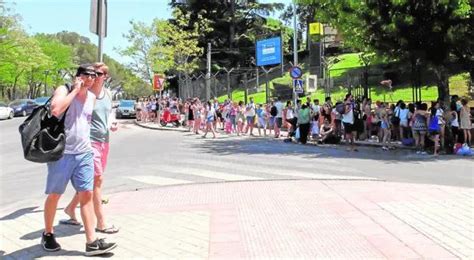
(71, 222)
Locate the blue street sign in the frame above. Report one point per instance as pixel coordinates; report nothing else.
(268, 51)
(296, 72)
(298, 86)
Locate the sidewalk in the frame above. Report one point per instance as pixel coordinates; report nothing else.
(155, 126)
(268, 219)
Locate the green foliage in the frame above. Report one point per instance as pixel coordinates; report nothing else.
(235, 27)
(31, 66)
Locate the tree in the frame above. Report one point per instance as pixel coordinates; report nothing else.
(235, 27)
(417, 30)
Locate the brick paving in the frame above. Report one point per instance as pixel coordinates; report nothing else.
(301, 219)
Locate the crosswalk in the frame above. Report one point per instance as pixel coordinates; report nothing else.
(202, 169)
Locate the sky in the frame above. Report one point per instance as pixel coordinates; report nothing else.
(52, 16)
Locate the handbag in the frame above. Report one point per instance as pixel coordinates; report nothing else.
(297, 134)
(395, 119)
(42, 135)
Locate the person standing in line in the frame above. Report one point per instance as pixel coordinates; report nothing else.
(210, 113)
(348, 122)
(420, 127)
(454, 122)
(261, 122)
(197, 115)
(279, 117)
(465, 118)
(77, 163)
(403, 114)
(102, 122)
(303, 122)
(250, 116)
(291, 119)
(386, 128)
(190, 115)
(434, 127)
(270, 118)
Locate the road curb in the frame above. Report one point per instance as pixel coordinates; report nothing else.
(160, 128)
(376, 145)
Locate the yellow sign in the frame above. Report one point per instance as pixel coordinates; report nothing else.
(316, 28)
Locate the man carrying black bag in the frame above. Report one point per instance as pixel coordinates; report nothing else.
(77, 162)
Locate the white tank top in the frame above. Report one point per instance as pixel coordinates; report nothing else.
(78, 125)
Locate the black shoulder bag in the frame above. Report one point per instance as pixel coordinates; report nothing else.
(42, 134)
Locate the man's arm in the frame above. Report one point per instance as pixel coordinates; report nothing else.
(62, 98)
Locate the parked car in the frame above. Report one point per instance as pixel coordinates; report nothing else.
(23, 107)
(6, 112)
(41, 100)
(126, 108)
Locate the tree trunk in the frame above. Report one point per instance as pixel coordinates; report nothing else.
(232, 24)
(470, 84)
(443, 84)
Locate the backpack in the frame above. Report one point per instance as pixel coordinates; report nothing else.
(273, 111)
(42, 134)
(395, 119)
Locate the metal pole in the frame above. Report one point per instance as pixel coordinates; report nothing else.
(282, 55)
(246, 92)
(99, 29)
(295, 46)
(229, 96)
(257, 80)
(295, 34)
(208, 75)
(267, 94)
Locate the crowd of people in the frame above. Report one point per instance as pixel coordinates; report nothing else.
(436, 127)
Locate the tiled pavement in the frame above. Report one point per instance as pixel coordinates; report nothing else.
(301, 219)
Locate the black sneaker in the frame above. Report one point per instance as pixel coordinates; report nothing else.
(48, 241)
(98, 247)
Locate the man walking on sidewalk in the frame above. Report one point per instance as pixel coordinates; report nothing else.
(102, 121)
(77, 163)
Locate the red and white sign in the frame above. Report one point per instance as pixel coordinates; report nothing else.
(158, 82)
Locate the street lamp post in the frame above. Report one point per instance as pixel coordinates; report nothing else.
(295, 46)
(229, 93)
(46, 72)
(208, 75)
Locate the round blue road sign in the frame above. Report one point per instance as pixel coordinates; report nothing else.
(296, 72)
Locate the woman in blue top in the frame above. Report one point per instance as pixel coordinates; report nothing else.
(261, 120)
(434, 127)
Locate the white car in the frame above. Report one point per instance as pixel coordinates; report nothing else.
(6, 112)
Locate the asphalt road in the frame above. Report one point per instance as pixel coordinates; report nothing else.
(142, 158)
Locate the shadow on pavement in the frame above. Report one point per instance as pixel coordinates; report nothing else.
(59, 231)
(19, 213)
(36, 251)
(221, 146)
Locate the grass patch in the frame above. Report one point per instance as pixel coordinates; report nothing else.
(458, 85)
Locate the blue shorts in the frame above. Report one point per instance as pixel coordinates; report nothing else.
(79, 168)
(250, 120)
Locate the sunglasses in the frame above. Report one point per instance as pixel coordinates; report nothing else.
(99, 74)
(92, 75)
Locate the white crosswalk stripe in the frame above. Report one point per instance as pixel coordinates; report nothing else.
(207, 173)
(156, 180)
(229, 171)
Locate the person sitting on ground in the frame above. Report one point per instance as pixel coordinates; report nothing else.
(326, 133)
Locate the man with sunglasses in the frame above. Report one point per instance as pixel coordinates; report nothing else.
(103, 120)
(77, 163)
